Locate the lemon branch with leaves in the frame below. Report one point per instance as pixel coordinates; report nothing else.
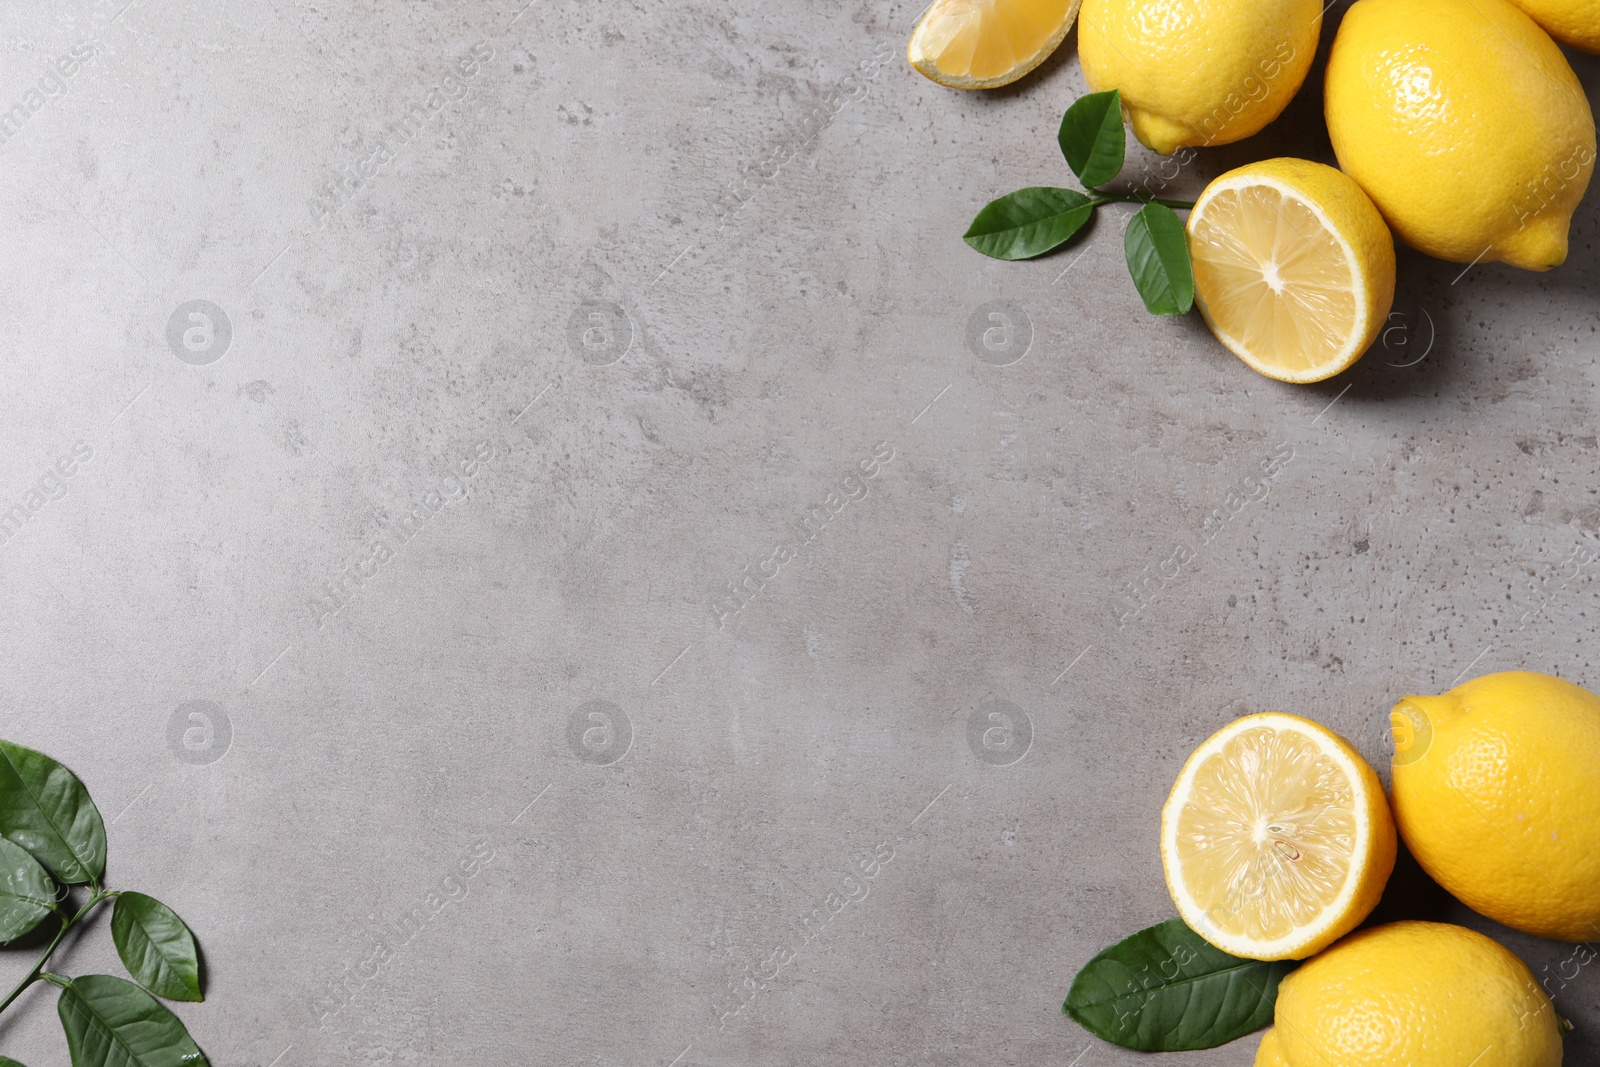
(1036, 220)
(52, 840)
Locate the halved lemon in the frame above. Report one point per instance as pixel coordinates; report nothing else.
(1293, 267)
(1277, 838)
(984, 44)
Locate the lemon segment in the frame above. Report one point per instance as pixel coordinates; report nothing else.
(1276, 838)
(1293, 268)
(984, 44)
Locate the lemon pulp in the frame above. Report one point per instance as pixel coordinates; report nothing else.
(1268, 837)
(1276, 277)
(1276, 839)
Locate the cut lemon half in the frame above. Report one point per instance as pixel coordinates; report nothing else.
(1293, 267)
(1277, 838)
(984, 44)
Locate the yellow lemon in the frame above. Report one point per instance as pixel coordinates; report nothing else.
(1198, 72)
(1276, 839)
(984, 44)
(1496, 790)
(1464, 123)
(1572, 22)
(1414, 994)
(1293, 267)
(1270, 1053)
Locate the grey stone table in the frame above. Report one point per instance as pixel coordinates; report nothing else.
(557, 524)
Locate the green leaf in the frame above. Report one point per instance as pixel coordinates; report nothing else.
(46, 810)
(156, 947)
(7, 1061)
(1166, 990)
(1028, 222)
(1158, 259)
(113, 1023)
(27, 894)
(1092, 137)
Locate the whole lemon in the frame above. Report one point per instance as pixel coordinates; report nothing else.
(1572, 22)
(1198, 72)
(1465, 124)
(1270, 1052)
(1414, 994)
(1496, 791)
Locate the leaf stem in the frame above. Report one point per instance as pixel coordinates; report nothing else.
(38, 971)
(1128, 198)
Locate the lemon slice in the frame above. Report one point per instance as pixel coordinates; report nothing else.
(984, 44)
(1293, 267)
(1277, 839)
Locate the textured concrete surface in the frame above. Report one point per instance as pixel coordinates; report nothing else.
(387, 611)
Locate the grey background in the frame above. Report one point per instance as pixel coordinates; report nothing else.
(1417, 536)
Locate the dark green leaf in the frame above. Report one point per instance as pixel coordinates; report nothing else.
(27, 894)
(1158, 259)
(46, 810)
(1092, 137)
(113, 1023)
(156, 947)
(7, 1061)
(1166, 990)
(1028, 222)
